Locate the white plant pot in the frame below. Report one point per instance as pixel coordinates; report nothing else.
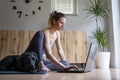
(102, 60)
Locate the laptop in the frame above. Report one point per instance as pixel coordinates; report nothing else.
(89, 64)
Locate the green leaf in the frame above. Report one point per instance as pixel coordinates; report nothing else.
(97, 9)
(100, 36)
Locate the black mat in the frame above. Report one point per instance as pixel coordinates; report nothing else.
(17, 72)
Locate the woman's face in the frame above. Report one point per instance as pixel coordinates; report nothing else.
(59, 24)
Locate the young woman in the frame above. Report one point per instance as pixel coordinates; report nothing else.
(44, 40)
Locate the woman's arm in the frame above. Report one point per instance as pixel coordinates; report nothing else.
(59, 48)
(48, 50)
(51, 57)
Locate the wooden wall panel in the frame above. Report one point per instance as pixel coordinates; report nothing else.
(74, 46)
(13, 42)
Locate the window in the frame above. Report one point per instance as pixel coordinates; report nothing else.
(68, 7)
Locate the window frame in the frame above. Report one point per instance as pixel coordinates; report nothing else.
(75, 7)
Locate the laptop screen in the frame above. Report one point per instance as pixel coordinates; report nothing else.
(90, 62)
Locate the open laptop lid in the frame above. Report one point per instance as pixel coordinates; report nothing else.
(90, 62)
(88, 53)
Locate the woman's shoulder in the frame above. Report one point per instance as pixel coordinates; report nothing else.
(46, 31)
(58, 33)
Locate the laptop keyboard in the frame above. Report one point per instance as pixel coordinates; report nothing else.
(79, 69)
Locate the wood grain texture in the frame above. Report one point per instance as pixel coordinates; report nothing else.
(74, 46)
(13, 42)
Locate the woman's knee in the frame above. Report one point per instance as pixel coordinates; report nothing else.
(41, 34)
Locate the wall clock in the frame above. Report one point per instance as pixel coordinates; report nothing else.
(21, 12)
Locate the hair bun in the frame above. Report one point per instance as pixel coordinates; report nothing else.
(55, 12)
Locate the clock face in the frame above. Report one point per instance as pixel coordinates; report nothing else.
(26, 7)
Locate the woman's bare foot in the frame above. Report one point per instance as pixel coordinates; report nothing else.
(45, 69)
(42, 67)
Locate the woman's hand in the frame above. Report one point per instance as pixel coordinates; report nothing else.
(71, 67)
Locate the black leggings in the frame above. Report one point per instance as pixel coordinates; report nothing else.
(36, 44)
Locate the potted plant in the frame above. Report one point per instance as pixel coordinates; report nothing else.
(98, 10)
(102, 57)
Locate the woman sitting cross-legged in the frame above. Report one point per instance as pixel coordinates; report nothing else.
(43, 41)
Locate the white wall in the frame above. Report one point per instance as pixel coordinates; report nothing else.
(9, 19)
